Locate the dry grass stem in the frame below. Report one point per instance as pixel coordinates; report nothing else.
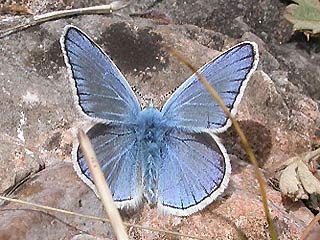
(240, 133)
(46, 208)
(52, 16)
(102, 187)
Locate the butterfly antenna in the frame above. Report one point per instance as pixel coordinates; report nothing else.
(166, 95)
(140, 95)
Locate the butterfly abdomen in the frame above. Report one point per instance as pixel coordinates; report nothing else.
(151, 136)
(150, 179)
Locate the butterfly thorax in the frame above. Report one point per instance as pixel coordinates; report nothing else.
(149, 128)
(150, 136)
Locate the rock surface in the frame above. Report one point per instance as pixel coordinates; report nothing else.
(279, 113)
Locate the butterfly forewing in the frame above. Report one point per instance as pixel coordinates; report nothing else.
(191, 105)
(195, 170)
(101, 89)
(116, 151)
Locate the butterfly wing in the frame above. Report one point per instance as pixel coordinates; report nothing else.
(101, 89)
(192, 106)
(195, 170)
(116, 151)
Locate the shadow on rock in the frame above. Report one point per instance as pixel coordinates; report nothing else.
(134, 49)
(257, 134)
(46, 59)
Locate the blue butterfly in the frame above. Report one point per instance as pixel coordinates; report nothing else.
(170, 157)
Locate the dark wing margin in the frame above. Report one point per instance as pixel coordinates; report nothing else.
(192, 106)
(99, 87)
(195, 171)
(116, 151)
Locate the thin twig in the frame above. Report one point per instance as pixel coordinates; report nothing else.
(43, 207)
(101, 185)
(240, 234)
(52, 16)
(240, 133)
(310, 226)
(40, 211)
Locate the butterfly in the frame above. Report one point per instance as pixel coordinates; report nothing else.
(173, 157)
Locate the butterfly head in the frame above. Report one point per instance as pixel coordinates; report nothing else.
(149, 123)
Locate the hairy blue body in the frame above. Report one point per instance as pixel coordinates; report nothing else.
(150, 133)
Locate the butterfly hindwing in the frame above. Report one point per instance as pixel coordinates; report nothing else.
(101, 89)
(195, 170)
(116, 151)
(192, 106)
